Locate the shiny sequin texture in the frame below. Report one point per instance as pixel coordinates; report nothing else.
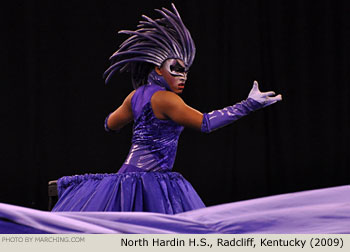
(154, 141)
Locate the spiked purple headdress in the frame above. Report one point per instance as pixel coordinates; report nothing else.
(151, 44)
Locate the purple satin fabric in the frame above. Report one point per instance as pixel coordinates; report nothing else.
(145, 182)
(154, 141)
(222, 117)
(322, 211)
(161, 192)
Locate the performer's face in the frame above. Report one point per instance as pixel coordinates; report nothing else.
(175, 74)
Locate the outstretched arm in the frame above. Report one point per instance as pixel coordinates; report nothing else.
(121, 116)
(256, 100)
(169, 105)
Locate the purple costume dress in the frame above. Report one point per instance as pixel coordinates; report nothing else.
(145, 182)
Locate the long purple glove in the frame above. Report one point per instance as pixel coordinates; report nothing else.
(256, 100)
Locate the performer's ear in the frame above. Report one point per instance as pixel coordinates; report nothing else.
(158, 70)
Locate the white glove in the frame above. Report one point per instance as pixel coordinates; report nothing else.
(266, 98)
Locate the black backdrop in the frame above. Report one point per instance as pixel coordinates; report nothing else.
(54, 100)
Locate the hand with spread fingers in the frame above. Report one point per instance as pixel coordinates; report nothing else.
(266, 98)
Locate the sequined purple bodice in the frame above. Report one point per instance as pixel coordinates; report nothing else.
(154, 141)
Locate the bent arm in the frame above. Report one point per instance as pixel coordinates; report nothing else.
(167, 105)
(121, 116)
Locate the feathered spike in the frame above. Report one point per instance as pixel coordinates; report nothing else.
(148, 36)
(166, 34)
(186, 34)
(117, 65)
(123, 54)
(174, 24)
(191, 47)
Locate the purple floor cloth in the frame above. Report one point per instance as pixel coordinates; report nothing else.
(309, 212)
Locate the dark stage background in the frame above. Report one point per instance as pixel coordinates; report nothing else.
(54, 100)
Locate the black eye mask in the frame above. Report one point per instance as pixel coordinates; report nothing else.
(175, 68)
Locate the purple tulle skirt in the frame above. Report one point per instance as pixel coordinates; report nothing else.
(160, 192)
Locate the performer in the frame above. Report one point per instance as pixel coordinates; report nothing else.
(158, 55)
